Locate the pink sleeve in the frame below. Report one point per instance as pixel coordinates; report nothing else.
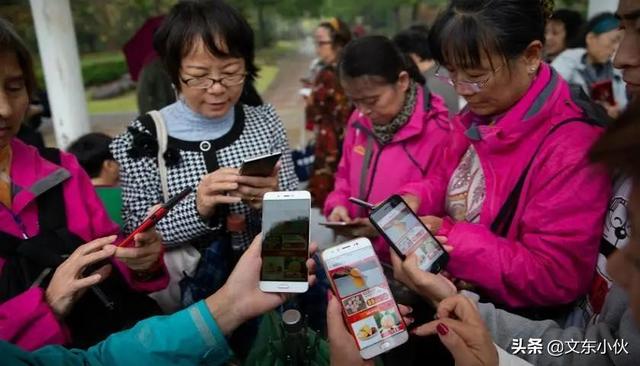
(552, 260)
(341, 189)
(101, 224)
(27, 321)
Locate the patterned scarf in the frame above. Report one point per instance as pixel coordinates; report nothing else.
(384, 133)
(5, 179)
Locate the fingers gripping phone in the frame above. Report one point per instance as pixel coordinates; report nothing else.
(285, 241)
(260, 166)
(368, 307)
(405, 233)
(155, 216)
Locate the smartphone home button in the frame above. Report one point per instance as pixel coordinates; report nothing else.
(385, 345)
(283, 287)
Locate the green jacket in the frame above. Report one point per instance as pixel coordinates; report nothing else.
(188, 337)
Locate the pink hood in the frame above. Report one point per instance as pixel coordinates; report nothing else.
(412, 151)
(549, 254)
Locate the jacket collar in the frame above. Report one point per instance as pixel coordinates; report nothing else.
(32, 175)
(415, 125)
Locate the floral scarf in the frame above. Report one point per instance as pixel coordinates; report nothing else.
(384, 133)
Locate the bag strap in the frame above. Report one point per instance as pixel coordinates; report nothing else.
(502, 223)
(51, 207)
(163, 138)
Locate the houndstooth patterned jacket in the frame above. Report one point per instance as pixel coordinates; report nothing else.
(256, 131)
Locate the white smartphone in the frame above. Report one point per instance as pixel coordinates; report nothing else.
(285, 241)
(368, 307)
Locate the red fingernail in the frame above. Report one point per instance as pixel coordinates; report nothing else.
(329, 295)
(442, 329)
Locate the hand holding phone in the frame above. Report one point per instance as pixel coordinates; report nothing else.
(260, 166)
(434, 287)
(405, 233)
(358, 282)
(285, 244)
(602, 91)
(155, 216)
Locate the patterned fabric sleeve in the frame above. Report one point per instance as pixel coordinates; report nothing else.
(140, 181)
(287, 178)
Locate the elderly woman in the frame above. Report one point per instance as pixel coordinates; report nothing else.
(505, 191)
(208, 49)
(49, 292)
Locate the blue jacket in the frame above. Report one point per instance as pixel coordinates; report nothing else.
(188, 337)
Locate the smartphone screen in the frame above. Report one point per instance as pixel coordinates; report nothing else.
(369, 307)
(406, 233)
(285, 244)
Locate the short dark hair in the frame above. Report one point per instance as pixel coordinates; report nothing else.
(338, 31)
(469, 29)
(414, 40)
(377, 56)
(11, 42)
(92, 150)
(598, 24)
(573, 22)
(209, 20)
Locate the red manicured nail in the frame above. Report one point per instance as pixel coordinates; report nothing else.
(442, 329)
(329, 295)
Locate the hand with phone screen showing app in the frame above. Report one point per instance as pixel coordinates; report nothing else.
(285, 244)
(371, 314)
(406, 234)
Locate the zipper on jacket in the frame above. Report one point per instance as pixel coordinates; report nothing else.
(18, 221)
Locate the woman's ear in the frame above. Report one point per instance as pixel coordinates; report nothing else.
(403, 81)
(533, 56)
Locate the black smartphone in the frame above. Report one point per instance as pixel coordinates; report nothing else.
(260, 166)
(405, 233)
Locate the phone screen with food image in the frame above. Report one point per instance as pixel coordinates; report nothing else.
(361, 286)
(406, 234)
(286, 240)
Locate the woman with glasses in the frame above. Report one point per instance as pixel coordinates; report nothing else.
(208, 49)
(327, 108)
(515, 194)
(391, 138)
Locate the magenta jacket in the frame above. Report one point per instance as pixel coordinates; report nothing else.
(549, 254)
(27, 320)
(411, 153)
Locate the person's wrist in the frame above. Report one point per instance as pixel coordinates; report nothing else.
(225, 310)
(204, 213)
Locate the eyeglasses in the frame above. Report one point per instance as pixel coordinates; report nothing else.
(207, 82)
(467, 86)
(322, 43)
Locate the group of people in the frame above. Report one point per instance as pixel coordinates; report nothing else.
(517, 184)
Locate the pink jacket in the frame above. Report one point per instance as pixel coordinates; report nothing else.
(550, 251)
(411, 153)
(27, 320)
